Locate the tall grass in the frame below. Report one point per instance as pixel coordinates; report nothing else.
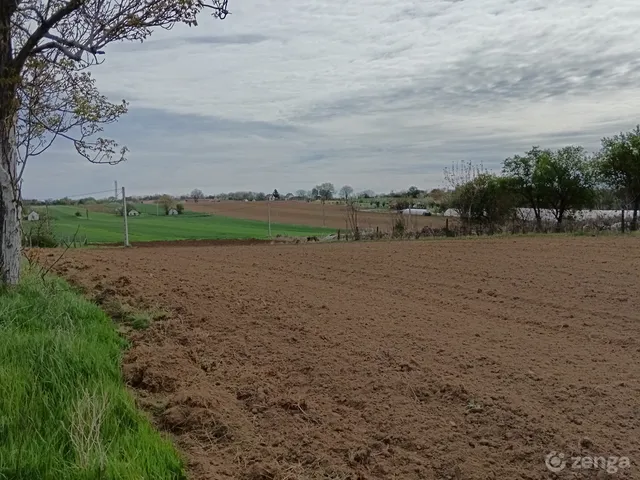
(64, 410)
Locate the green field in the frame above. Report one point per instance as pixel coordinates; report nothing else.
(109, 228)
(65, 412)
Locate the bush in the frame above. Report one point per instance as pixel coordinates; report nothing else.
(486, 200)
(180, 208)
(39, 234)
(399, 227)
(402, 204)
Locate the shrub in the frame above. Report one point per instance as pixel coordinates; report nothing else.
(402, 204)
(39, 234)
(180, 208)
(399, 226)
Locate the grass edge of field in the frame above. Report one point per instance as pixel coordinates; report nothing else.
(65, 411)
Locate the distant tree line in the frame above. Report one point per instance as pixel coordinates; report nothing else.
(560, 181)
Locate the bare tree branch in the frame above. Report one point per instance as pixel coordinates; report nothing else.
(87, 26)
(42, 30)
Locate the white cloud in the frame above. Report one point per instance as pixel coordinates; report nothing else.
(376, 94)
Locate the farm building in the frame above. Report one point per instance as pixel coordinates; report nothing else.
(172, 211)
(33, 217)
(133, 213)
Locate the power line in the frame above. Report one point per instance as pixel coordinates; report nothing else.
(87, 194)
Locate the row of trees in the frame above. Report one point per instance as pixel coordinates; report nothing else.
(559, 180)
(324, 191)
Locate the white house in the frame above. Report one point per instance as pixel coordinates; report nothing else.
(33, 217)
(173, 211)
(133, 213)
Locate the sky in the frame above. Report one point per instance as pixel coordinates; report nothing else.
(377, 95)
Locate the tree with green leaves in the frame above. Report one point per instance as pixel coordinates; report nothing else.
(463, 189)
(527, 176)
(568, 181)
(560, 180)
(619, 167)
(46, 92)
(167, 202)
(486, 200)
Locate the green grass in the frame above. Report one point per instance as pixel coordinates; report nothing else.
(64, 411)
(108, 228)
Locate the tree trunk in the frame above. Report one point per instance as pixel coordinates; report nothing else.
(634, 221)
(10, 238)
(538, 215)
(559, 218)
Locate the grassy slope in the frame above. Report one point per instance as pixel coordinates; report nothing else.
(105, 228)
(64, 411)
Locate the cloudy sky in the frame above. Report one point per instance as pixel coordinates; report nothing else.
(379, 95)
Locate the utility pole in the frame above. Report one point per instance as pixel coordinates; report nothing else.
(269, 209)
(116, 184)
(125, 215)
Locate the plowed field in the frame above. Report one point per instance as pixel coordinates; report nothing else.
(303, 213)
(451, 359)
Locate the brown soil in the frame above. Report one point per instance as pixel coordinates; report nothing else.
(303, 213)
(451, 359)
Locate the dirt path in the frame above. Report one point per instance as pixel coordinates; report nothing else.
(452, 359)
